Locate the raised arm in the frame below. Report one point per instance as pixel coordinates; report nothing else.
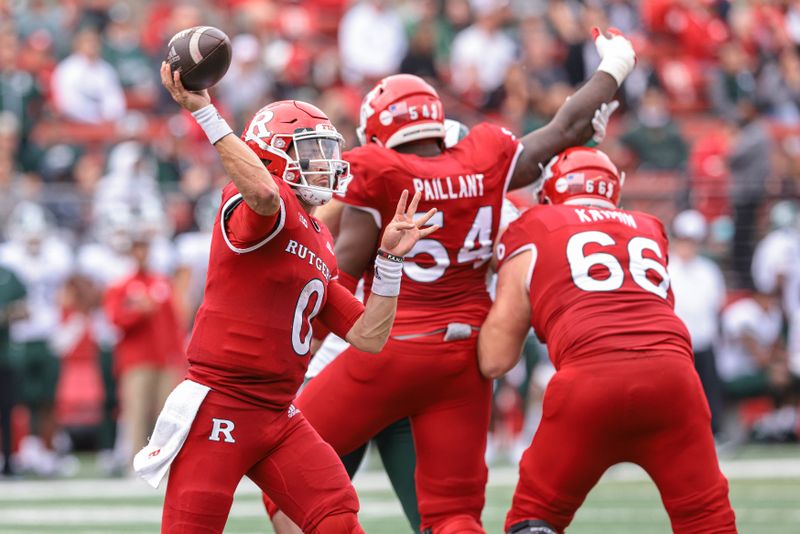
(573, 123)
(241, 164)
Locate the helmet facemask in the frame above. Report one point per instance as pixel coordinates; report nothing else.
(317, 170)
(313, 164)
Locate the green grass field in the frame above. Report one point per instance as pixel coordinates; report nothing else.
(765, 491)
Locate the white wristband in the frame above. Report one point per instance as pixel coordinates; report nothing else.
(212, 123)
(616, 66)
(386, 281)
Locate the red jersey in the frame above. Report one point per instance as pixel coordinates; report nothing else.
(147, 338)
(252, 334)
(599, 283)
(444, 276)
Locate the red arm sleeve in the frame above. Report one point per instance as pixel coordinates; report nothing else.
(244, 227)
(341, 310)
(346, 281)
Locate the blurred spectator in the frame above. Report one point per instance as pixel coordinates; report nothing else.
(10, 179)
(573, 22)
(541, 58)
(193, 250)
(80, 391)
(699, 290)
(752, 359)
(372, 41)
(122, 49)
(693, 25)
(653, 136)
(732, 81)
(482, 54)
(455, 16)
(779, 87)
(131, 178)
(624, 15)
(792, 21)
(247, 85)
(104, 259)
(42, 16)
(776, 270)
(420, 59)
(20, 97)
(86, 88)
(776, 260)
(12, 308)
(42, 262)
(149, 353)
(750, 168)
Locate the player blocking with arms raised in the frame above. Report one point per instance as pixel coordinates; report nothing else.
(272, 271)
(592, 281)
(428, 370)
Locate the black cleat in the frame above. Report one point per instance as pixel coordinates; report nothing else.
(532, 526)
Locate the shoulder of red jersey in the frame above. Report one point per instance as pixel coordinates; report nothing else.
(488, 146)
(265, 228)
(521, 234)
(369, 165)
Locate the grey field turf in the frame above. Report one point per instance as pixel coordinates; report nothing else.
(765, 491)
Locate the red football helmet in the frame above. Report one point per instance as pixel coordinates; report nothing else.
(581, 175)
(297, 142)
(401, 108)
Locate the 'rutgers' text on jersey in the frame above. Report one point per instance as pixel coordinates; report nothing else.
(444, 275)
(251, 337)
(599, 284)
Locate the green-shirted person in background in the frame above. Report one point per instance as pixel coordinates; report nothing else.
(12, 308)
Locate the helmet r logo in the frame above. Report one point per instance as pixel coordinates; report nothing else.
(258, 127)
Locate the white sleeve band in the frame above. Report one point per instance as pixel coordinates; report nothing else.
(616, 66)
(386, 281)
(212, 123)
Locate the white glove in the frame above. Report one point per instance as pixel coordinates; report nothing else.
(600, 120)
(617, 54)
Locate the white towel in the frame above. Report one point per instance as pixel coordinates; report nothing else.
(173, 424)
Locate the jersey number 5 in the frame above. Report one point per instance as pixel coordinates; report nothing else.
(580, 264)
(477, 248)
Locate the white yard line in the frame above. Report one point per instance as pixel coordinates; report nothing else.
(99, 489)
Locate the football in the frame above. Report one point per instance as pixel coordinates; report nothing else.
(202, 55)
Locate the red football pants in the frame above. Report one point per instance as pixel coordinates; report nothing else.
(650, 411)
(282, 454)
(440, 388)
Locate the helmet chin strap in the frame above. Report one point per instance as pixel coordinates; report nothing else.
(312, 196)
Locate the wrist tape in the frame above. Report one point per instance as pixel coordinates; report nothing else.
(212, 123)
(386, 281)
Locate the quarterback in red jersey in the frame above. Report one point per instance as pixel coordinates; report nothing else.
(272, 271)
(428, 369)
(592, 281)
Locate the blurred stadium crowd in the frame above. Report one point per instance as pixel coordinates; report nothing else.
(105, 184)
